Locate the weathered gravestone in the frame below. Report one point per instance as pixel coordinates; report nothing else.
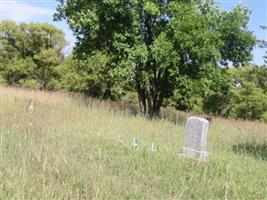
(196, 137)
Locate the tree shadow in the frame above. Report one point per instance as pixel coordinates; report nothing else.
(259, 151)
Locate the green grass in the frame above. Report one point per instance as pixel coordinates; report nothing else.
(64, 150)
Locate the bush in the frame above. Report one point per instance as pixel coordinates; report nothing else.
(91, 76)
(29, 83)
(217, 103)
(249, 102)
(264, 117)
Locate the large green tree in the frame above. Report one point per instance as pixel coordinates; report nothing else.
(156, 45)
(30, 51)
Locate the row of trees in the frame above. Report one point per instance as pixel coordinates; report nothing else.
(29, 53)
(164, 53)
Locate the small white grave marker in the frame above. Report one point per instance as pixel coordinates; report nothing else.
(196, 136)
(135, 143)
(153, 147)
(120, 139)
(30, 106)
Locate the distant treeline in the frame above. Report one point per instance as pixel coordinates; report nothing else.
(31, 56)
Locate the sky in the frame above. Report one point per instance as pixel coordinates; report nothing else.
(43, 10)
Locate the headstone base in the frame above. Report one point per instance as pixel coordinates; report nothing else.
(201, 155)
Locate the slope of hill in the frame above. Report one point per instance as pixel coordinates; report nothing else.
(62, 149)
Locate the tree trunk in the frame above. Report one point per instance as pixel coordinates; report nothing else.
(148, 105)
(142, 101)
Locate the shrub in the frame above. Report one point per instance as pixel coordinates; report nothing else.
(264, 117)
(249, 102)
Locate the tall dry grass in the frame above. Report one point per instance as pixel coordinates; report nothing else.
(68, 148)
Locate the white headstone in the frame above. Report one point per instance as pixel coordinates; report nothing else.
(196, 137)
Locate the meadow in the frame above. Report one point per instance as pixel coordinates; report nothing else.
(69, 149)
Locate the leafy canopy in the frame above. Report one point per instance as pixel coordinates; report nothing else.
(154, 45)
(30, 51)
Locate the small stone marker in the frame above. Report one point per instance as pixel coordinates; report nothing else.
(30, 106)
(120, 139)
(153, 147)
(196, 136)
(135, 143)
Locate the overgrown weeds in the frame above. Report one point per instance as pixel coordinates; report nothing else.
(67, 150)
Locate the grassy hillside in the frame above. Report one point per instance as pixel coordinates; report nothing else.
(67, 150)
